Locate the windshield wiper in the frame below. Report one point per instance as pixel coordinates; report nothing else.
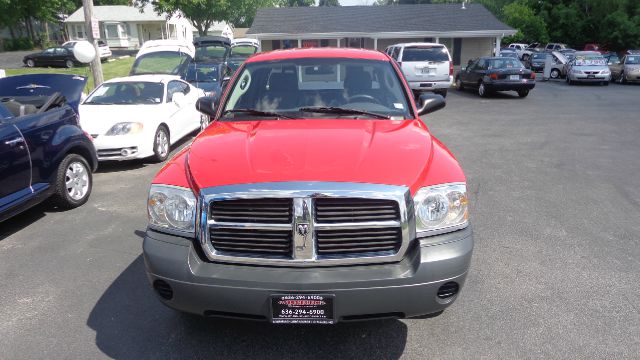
(339, 110)
(255, 112)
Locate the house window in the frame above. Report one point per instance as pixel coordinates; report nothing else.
(115, 31)
(78, 31)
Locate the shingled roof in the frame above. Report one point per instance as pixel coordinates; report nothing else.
(437, 18)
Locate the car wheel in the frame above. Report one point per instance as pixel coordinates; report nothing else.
(482, 90)
(523, 93)
(555, 73)
(459, 85)
(68, 64)
(73, 182)
(161, 144)
(31, 63)
(204, 122)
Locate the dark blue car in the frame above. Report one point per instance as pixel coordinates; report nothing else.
(43, 152)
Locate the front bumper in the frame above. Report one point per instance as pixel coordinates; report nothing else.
(403, 289)
(589, 78)
(111, 147)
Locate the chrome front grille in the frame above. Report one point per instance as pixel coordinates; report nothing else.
(250, 241)
(358, 241)
(348, 210)
(306, 223)
(263, 211)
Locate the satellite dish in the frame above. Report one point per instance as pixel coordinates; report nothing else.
(84, 52)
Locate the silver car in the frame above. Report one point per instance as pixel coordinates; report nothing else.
(588, 66)
(627, 69)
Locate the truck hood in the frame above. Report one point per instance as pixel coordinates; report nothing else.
(70, 86)
(365, 151)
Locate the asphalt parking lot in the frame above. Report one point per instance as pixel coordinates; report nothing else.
(555, 210)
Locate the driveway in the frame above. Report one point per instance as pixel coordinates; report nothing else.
(555, 205)
(13, 59)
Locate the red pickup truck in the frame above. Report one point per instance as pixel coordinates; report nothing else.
(316, 195)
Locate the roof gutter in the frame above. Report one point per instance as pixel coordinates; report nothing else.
(384, 35)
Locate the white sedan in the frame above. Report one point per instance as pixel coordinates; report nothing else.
(140, 116)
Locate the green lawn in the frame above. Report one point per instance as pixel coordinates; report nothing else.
(117, 68)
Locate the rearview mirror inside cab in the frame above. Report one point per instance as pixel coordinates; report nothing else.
(207, 105)
(429, 103)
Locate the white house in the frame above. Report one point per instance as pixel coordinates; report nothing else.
(129, 27)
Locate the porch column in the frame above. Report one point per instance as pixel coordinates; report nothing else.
(437, 40)
(338, 42)
(375, 43)
(496, 51)
(299, 43)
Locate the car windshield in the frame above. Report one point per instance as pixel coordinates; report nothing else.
(328, 87)
(242, 51)
(127, 93)
(160, 62)
(202, 73)
(505, 63)
(211, 53)
(425, 53)
(590, 60)
(633, 60)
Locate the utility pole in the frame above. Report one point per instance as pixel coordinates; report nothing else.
(96, 65)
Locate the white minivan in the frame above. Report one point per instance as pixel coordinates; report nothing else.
(426, 66)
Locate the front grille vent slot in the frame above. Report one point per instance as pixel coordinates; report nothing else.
(351, 210)
(358, 241)
(261, 211)
(252, 241)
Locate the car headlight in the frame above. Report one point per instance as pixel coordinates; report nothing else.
(124, 128)
(441, 208)
(172, 208)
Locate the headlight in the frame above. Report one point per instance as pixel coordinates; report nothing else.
(441, 208)
(172, 208)
(124, 128)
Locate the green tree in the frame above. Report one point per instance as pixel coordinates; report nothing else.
(521, 17)
(202, 13)
(241, 13)
(328, 3)
(295, 3)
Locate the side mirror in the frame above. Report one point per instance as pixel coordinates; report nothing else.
(178, 99)
(207, 105)
(225, 81)
(430, 103)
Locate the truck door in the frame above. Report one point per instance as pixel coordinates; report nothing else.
(15, 165)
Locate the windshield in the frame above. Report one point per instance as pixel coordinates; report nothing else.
(242, 51)
(127, 93)
(425, 53)
(505, 63)
(202, 73)
(161, 62)
(211, 53)
(286, 86)
(633, 60)
(590, 60)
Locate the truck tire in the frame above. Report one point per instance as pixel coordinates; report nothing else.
(74, 182)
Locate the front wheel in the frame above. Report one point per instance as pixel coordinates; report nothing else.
(31, 63)
(482, 90)
(523, 93)
(555, 73)
(161, 144)
(73, 182)
(68, 64)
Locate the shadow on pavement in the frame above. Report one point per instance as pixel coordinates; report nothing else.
(130, 323)
(24, 219)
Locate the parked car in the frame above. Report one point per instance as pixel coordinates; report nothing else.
(490, 74)
(141, 116)
(555, 47)
(209, 77)
(508, 53)
(526, 53)
(211, 49)
(538, 61)
(611, 58)
(55, 56)
(241, 49)
(260, 219)
(588, 66)
(103, 48)
(558, 65)
(426, 66)
(44, 152)
(627, 69)
(168, 57)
